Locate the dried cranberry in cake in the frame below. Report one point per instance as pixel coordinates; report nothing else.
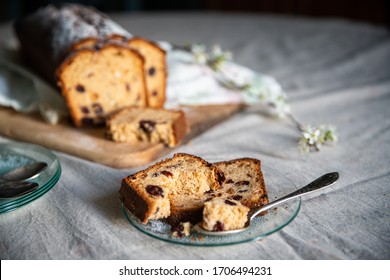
(228, 202)
(155, 190)
(167, 173)
(147, 125)
(221, 178)
(80, 88)
(237, 197)
(219, 226)
(241, 183)
(85, 109)
(152, 71)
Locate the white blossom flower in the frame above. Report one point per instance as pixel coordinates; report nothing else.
(313, 137)
(214, 59)
(200, 55)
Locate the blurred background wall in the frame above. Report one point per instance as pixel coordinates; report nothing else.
(371, 11)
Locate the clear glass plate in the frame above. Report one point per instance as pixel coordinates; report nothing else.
(277, 185)
(14, 155)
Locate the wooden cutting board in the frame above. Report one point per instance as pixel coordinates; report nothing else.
(90, 144)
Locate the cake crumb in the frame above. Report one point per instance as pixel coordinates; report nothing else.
(181, 230)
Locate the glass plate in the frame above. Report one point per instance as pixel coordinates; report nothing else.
(277, 186)
(15, 155)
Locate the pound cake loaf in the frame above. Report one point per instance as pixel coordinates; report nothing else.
(98, 81)
(154, 68)
(244, 182)
(98, 65)
(221, 214)
(47, 35)
(150, 125)
(185, 181)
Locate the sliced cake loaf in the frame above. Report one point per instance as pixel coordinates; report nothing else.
(244, 182)
(93, 61)
(155, 63)
(133, 124)
(184, 180)
(98, 81)
(224, 214)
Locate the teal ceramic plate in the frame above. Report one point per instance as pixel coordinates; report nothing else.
(13, 155)
(277, 184)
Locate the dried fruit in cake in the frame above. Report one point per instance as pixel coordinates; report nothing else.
(221, 214)
(244, 182)
(184, 180)
(148, 125)
(97, 81)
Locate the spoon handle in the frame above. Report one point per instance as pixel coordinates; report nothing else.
(318, 184)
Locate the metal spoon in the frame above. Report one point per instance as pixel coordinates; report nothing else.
(318, 184)
(16, 188)
(25, 172)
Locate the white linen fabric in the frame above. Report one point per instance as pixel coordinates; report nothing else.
(333, 71)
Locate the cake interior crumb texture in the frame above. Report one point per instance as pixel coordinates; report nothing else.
(98, 82)
(155, 70)
(150, 125)
(244, 182)
(154, 63)
(223, 214)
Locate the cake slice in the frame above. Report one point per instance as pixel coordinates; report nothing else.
(98, 81)
(133, 124)
(244, 182)
(184, 180)
(155, 69)
(221, 214)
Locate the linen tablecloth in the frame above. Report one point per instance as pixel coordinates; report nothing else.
(333, 71)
